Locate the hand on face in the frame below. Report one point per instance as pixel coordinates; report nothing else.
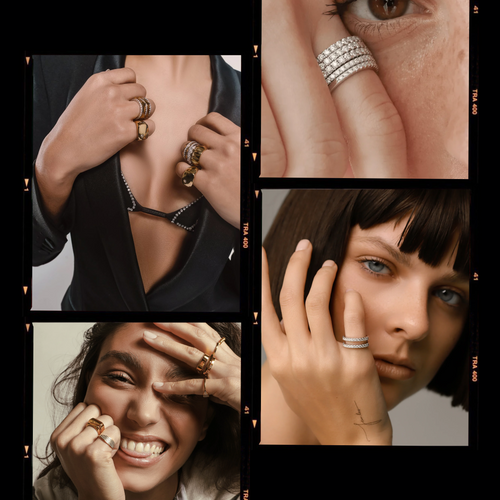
(303, 124)
(223, 380)
(85, 457)
(335, 391)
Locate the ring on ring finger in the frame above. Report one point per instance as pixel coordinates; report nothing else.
(110, 442)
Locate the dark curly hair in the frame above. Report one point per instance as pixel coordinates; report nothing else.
(218, 454)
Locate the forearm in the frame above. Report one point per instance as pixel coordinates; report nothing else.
(54, 182)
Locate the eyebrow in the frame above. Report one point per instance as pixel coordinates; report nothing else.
(396, 254)
(404, 258)
(175, 372)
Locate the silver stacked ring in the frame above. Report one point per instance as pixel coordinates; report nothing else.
(188, 151)
(345, 58)
(355, 339)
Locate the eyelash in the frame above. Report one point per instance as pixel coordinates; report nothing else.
(436, 293)
(118, 377)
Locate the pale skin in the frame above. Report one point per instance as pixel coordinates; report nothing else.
(408, 120)
(133, 401)
(314, 391)
(99, 123)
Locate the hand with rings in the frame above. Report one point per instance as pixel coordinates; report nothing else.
(323, 381)
(219, 368)
(211, 162)
(85, 443)
(110, 111)
(312, 128)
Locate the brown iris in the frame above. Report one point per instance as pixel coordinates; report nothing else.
(388, 9)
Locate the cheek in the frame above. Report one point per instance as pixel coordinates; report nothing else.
(427, 79)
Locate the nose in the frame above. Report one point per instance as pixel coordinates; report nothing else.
(144, 407)
(408, 312)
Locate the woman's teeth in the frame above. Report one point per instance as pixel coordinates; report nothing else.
(139, 447)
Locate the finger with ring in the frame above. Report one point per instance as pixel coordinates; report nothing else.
(97, 425)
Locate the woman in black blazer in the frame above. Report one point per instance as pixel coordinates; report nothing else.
(94, 173)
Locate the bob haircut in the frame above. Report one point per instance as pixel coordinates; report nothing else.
(218, 455)
(438, 219)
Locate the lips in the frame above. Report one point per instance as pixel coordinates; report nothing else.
(394, 368)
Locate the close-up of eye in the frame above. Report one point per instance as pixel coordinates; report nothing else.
(380, 10)
(450, 297)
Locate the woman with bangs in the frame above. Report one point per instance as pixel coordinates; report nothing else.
(364, 306)
(153, 413)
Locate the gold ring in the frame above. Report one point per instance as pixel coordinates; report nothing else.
(108, 441)
(188, 176)
(205, 393)
(191, 152)
(202, 364)
(96, 424)
(222, 340)
(145, 108)
(208, 366)
(142, 131)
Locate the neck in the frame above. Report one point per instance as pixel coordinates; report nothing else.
(173, 69)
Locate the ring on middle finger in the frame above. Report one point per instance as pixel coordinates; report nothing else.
(345, 58)
(97, 425)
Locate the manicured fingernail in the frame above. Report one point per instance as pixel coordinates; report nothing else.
(150, 335)
(328, 263)
(302, 245)
(157, 384)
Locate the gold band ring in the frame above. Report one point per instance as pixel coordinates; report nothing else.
(208, 366)
(145, 108)
(108, 441)
(142, 131)
(221, 341)
(96, 424)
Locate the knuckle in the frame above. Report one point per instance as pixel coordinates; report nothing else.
(317, 301)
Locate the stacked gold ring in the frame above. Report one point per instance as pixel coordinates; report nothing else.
(97, 425)
(144, 113)
(191, 152)
(145, 108)
(207, 361)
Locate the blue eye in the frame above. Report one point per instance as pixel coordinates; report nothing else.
(449, 296)
(376, 267)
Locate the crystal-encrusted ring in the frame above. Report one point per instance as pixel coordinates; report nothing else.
(192, 151)
(345, 58)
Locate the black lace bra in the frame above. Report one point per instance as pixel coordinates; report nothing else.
(186, 217)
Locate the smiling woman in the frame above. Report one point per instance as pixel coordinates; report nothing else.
(395, 101)
(364, 303)
(143, 421)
